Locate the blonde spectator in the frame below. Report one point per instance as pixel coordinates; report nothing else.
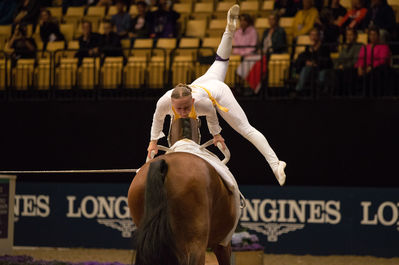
(305, 18)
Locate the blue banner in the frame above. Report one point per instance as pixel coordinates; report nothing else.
(296, 220)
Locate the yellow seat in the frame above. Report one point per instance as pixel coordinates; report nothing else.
(266, 8)
(142, 47)
(74, 14)
(111, 72)
(168, 45)
(55, 12)
(183, 70)
(68, 31)
(112, 10)
(202, 10)
(88, 73)
(156, 72)
(234, 62)
(348, 3)
(55, 45)
(66, 73)
(133, 10)
(5, 30)
(196, 28)
(43, 74)
(362, 38)
(188, 46)
(135, 71)
(4, 74)
(96, 11)
(278, 67)
(261, 24)
(250, 7)
(183, 8)
(302, 42)
(216, 27)
(125, 46)
(23, 74)
(211, 42)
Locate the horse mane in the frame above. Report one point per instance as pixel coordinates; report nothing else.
(155, 240)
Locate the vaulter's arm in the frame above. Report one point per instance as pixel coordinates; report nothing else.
(212, 121)
(161, 110)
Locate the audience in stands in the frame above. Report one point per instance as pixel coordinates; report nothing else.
(28, 12)
(345, 63)
(23, 46)
(246, 35)
(330, 32)
(121, 19)
(89, 42)
(49, 28)
(111, 43)
(305, 19)
(381, 15)
(338, 11)
(140, 23)
(286, 8)
(354, 17)
(253, 68)
(7, 11)
(314, 64)
(163, 21)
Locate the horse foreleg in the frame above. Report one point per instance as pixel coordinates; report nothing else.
(223, 254)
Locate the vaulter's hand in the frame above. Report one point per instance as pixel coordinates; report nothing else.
(152, 147)
(219, 139)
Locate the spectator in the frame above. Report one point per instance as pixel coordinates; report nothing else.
(286, 8)
(314, 62)
(354, 17)
(28, 12)
(23, 46)
(338, 11)
(110, 44)
(246, 35)
(305, 19)
(374, 56)
(163, 21)
(330, 31)
(89, 42)
(140, 24)
(49, 28)
(345, 63)
(381, 15)
(273, 41)
(7, 11)
(121, 20)
(373, 63)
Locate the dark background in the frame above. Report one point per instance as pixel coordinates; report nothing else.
(324, 142)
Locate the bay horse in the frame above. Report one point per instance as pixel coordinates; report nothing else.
(181, 207)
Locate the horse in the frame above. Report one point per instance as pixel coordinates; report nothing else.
(181, 207)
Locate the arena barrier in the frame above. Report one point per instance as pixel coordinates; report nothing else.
(295, 220)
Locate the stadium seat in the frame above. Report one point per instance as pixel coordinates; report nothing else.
(133, 10)
(43, 74)
(5, 30)
(234, 62)
(188, 46)
(250, 7)
(74, 14)
(362, 38)
(112, 10)
(301, 43)
(202, 10)
(156, 72)
(66, 73)
(126, 43)
(23, 74)
(347, 3)
(183, 70)
(165, 43)
(196, 28)
(216, 27)
(56, 12)
(68, 30)
(3, 73)
(183, 8)
(278, 67)
(88, 73)
(261, 24)
(111, 72)
(135, 71)
(142, 47)
(211, 42)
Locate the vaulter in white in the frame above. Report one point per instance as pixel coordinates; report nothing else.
(209, 94)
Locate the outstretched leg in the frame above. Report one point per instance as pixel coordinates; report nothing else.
(218, 69)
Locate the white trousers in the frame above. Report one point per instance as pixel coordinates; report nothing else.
(213, 80)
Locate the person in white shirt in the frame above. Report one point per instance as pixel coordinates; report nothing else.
(209, 94)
